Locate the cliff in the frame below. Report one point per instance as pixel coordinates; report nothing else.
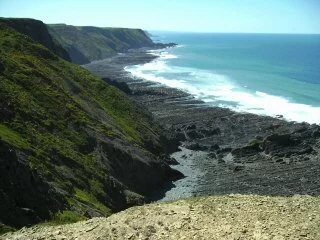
(86, 44)
(71, 146)
(38, 31)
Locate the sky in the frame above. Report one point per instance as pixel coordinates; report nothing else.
(249, 16)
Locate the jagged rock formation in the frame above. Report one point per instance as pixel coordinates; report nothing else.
(71, 146)
(245, 153)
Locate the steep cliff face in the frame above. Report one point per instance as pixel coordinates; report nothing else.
(38, 31)
(85, 44)
(71, 146)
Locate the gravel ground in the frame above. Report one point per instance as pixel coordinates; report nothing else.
(188, 186)
(214, 217)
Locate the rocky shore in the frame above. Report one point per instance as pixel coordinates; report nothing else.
(232, 152)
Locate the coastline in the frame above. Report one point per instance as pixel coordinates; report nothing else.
(243, 153)
(270, 89)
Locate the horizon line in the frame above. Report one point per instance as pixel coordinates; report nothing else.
(173, 31)
(217, 32)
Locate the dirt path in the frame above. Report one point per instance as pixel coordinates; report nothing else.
(214, 217)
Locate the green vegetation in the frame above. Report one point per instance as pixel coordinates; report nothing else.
(89, 199)
(255, 142)
(65, 217)
(60, 97)
(85, 44)
(57, 113)
(12, 137)
(38, 31)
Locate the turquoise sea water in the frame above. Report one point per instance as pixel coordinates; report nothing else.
(267, 74)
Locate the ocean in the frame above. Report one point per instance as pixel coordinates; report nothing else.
(265, 74)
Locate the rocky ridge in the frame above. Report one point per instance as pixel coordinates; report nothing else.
(214, 217)
(86, 44)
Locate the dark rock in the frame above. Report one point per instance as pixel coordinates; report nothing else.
(30, 213)
(246, 151)
(279, 140)
(5, 112)
(316, 133)
(238, 168)
(171, 161)
(2, 68)
(120, 85)
(180, 136)
(89, 145)
(214, 147)
(224, 150)
(259, 138)
(173, 174)
(25, 196)
(216, 131)
(220, 160)
(193, 134)
(170, 142)
(76, 55)
(212, 155)
(196, 146)
(287, 144)
(304, 150)
(191, 127)
(164, 45)
(279, 160)
(304, 159)
(210, 132)
(134, 163)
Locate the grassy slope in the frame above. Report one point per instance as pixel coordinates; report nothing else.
(92, 43)
(38, 31)
(55, 111)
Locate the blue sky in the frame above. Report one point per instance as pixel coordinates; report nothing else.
(254, 16)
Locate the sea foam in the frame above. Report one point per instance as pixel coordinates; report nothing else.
(220, 90)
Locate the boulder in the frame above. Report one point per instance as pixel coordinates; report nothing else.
(286, 145)
(246, 151)
(196, 146)
(193, 134)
